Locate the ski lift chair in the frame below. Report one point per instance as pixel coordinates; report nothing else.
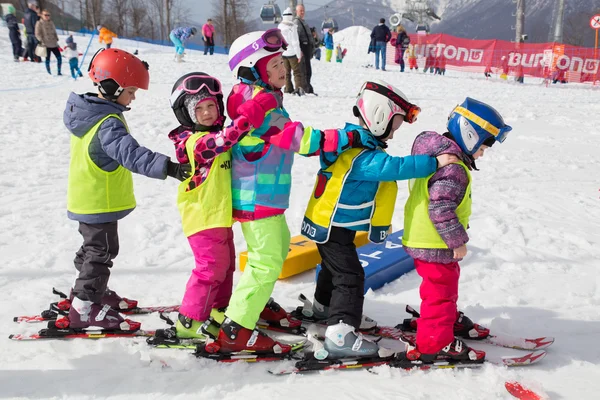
(270, 13)
(329, 23)
(423, 28)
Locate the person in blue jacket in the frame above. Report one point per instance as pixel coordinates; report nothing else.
(356, 191)
(328, 40)
(179, 36)
(100, 186)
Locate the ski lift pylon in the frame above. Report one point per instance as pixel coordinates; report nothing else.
(270, 13)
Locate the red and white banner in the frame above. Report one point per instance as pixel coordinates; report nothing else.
(543, 60)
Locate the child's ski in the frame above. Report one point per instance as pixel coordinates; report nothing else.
(62, 308)
(53, 333)
(53, 313)
(401, 362)
(204, 351)
(405, 329)
(512, 342)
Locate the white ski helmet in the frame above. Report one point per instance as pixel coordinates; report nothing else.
(377, 103)
(246, 50)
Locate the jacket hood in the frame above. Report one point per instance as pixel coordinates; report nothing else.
(83, 111)
(434, 144)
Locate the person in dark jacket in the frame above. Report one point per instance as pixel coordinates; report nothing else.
(13, 32)
(100, 186)
(31, 18)
(380, 35)
(307, 45)
(401, 42)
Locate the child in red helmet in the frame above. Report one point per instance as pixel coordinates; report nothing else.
(100, 187)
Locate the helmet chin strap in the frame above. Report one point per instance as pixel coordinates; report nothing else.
(258, 81)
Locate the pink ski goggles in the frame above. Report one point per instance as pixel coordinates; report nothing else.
(272, 40)
(195, 83)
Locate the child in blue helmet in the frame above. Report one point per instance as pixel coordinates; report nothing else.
(436, 217)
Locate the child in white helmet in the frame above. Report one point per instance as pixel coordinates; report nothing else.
(261, 183)
(356, 191)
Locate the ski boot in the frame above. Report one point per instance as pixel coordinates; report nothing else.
(319, 313)
(85, 315)
(188, 328)
(342, 341)
(456, 352)
(234, 338)
(463, 327)
(110, 298)
(117, 302)
(278, 319)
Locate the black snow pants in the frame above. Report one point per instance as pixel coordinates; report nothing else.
(94, 259)
(341, 281)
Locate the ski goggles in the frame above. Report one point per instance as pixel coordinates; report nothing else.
(499, 134)
(411, 111)
(194, 84)
(272, 40)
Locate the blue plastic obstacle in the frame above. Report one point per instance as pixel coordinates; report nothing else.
(383, 262)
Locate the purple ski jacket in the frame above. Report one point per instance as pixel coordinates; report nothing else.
(447, 188)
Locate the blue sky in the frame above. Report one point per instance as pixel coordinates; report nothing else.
(200, 13)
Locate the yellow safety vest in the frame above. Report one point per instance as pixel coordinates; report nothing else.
(91, 190)
(209, 204)
(320, 211)
(419, 231)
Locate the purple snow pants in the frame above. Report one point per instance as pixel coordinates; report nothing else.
(211, 282)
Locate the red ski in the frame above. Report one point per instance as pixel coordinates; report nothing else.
(52, 333)
(520, 392)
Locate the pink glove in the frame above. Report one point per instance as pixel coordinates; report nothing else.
(256, 109)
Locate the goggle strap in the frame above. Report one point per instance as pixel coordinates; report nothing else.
(406, 106)
(482, 123)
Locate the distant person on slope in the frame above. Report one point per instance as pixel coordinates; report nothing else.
(70, 53)
(13, 32)
(328, 40)
(208, 35)
(45, 32)
(436, 218)
(307, 45)
(381, 35)
(179, 36)
(401, 43)
(356, 191)
(204, 199)
(31, 18)
(105, 35)
(292, 56)
(100, 186)
(261, 182)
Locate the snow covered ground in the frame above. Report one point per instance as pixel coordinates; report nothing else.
(532, 268)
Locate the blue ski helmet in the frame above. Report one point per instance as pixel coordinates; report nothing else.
(473, 122)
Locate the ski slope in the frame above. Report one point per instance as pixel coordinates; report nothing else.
(532, 267)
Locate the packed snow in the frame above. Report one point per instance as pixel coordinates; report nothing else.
(532, 267)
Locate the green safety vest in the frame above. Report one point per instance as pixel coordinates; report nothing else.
(209, 204)
(92, 190)
(419, 231)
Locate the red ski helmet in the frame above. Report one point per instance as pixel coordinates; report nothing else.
(113, 70)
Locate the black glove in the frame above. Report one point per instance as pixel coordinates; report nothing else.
(178, 171)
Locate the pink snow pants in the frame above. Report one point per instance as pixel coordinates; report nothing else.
(439, 294)
(211, 282)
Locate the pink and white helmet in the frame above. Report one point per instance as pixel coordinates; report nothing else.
(377, 103)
